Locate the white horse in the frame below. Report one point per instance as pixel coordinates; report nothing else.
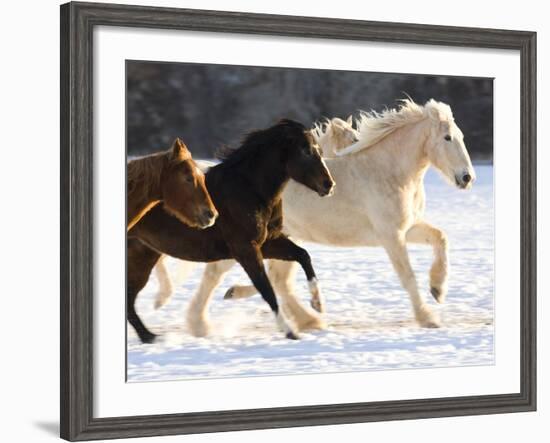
(379, 200)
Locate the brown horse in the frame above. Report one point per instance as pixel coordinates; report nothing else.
(173, 178)
(246, 188)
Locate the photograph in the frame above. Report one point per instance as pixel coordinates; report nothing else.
(292, 221)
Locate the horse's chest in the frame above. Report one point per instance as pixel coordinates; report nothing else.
(267, 224)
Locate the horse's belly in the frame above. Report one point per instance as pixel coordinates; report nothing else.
(324, 232)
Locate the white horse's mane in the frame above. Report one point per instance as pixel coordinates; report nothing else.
(374, 126)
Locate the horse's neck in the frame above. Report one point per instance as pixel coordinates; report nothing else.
(267, 177)
(143, 192)
(401, 155)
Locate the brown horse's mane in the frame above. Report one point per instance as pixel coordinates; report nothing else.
(144, 174)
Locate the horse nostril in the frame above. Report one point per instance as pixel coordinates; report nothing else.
(208, 214)
(466, 178)
(327, 184)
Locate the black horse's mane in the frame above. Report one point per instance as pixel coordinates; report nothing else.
(255, 142)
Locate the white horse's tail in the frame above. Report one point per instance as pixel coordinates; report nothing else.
(166, 285)
(361, 134)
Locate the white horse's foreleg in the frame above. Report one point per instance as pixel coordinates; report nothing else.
(425, 233)
(397, 252)
(197, 312)
(166, 288)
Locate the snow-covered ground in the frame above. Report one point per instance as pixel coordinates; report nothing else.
(371, 326)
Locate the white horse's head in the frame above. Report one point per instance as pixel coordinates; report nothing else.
(445, 146)
(334, 134)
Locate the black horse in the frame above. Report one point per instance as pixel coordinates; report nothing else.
(246, 189)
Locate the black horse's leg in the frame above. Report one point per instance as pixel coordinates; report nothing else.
(282, 248)
(141, 260)
(251, 259)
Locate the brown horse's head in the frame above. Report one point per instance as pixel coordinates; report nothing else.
(304, 161)
(184, 190)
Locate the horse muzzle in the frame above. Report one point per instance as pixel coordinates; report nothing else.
(208, 218)
(327, 188)
(464, 180)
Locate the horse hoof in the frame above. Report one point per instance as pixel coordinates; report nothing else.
(198, 326)
(318, 306)
(313, 323)
(292, 336)
(431, 324)
(229, 294)
(148, 338)
(160, 301)
(438, 293)
(427, 319)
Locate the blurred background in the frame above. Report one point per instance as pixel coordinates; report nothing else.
(212, 105)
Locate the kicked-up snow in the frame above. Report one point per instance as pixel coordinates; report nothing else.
(369, 316)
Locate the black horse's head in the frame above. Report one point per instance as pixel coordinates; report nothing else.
(304, 163)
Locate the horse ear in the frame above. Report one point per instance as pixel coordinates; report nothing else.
(349, 120)
(180, 151)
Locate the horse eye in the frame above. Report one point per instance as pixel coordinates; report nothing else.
(448, 137)
(187, 176)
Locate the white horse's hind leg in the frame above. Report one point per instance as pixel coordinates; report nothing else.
(166, 288)
(317, 300)
(240, 291)
(282, 275)
(425, 233)
(197, 312)
(397, 251)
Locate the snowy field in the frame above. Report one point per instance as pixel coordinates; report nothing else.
(370, 322)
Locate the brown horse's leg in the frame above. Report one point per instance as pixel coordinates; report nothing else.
(141, 260)
(250, 258)
(283, 248)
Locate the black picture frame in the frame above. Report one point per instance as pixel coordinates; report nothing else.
(77, 23)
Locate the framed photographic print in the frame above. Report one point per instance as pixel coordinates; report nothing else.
(272, 221)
